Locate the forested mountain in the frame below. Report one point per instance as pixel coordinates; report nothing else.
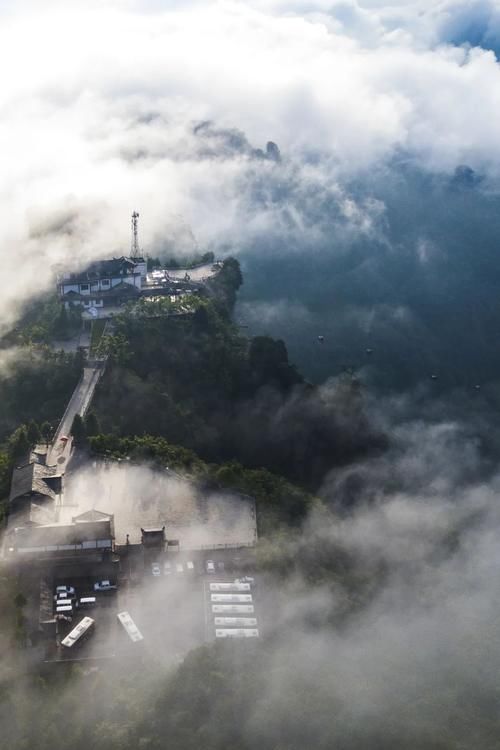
(197, 381)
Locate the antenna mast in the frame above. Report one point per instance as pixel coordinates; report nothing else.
(135, 236)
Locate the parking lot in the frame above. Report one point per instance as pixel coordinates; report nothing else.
(166, 599)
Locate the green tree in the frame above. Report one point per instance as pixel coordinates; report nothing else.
(91, 424)
(268, 360)
(208, 257)
(5, 472)
(61, 324)
(19, 445)
(78, 430)
(226, 284)
(201, 319)
(46, 430)
(116, 347)
(33, 432)
(79, 359)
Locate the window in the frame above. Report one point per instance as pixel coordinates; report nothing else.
(105, 283)
(84, 287)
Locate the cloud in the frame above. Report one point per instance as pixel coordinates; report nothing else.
(475, 24)
(100, 109)
(386, 660)
(373, 109)
(139, 496)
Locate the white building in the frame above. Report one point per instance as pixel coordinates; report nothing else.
(105, 283)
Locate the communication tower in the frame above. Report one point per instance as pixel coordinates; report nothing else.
(135, 236)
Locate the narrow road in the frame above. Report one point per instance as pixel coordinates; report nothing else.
(60, 451)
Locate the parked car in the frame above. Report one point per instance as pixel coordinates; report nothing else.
(104, 586)
(210, 566)
(179, 568)
(66, 590)
(155, 569)
(167, 568)
(190, 565)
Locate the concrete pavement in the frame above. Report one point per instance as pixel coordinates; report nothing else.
(60, 450)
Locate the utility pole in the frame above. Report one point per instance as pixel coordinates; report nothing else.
(135, 236)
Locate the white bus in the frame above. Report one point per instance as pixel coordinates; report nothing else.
(231, 598)
(230, 586)
(130, 627)
(235, 622)
(83, 628)
(237, 633)
(232, 609)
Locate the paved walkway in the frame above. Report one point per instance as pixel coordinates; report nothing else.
(200, 273)
(60, 450)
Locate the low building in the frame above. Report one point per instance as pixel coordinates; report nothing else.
(153, 538)
(89, 534)
(34, 494)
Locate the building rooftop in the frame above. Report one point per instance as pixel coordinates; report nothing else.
(91, 516)
(104, 269)
(117, 291)
(59, 534)
(140, 498)
(35, 479)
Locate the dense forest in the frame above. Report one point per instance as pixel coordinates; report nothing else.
(197, 381)
(187, 375)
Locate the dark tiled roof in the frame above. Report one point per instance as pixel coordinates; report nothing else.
(35, 478)
(103, 269)
(117, 291)
(22, 480)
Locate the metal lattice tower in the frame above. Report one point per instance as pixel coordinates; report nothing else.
(135, 235)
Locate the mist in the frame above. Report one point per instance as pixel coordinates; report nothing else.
(139, 496)
(378, 625)
(372, 106)
(367, 234)
(412, 658)
(408, 296)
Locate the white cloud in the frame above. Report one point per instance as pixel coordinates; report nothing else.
(98, 108)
